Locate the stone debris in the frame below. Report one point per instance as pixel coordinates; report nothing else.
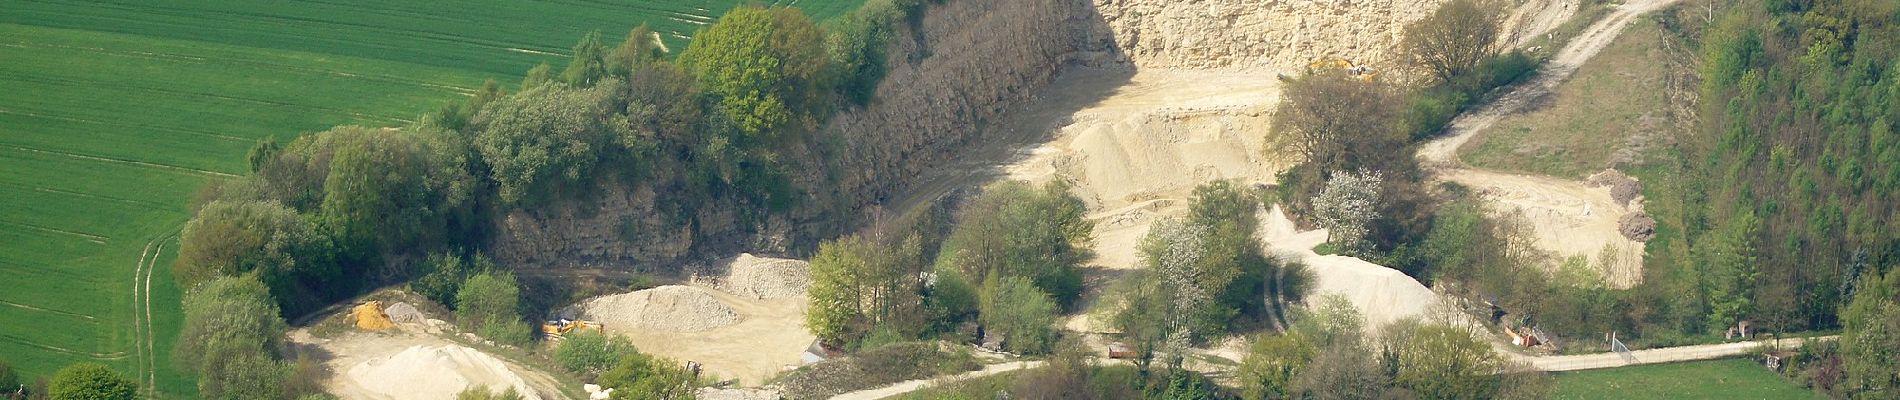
(671, 308)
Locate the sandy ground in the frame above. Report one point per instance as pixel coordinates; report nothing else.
(769, 337)
(1134, 146)
(1568, 217)
(1135, 155)
(353, 349)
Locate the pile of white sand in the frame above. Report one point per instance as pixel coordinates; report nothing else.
(1381, 294)
(671, 308)
(766, 278)
(434, 373)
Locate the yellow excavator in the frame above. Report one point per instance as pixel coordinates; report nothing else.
(556, 329)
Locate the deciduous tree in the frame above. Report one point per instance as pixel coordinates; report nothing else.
(1453, 40)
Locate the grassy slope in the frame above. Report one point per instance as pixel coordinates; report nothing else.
(1719, 379)
(114, 112)
(1576, 132)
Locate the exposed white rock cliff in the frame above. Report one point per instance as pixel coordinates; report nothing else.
(1261, 35)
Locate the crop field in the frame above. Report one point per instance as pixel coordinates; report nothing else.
(1717, 379)
(114, 112)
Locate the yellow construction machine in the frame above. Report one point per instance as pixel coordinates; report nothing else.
(555, 329)
(1363, 73)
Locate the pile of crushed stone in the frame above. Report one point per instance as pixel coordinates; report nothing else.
(404, 313)
(434, 373)
(667, 308)
(766, 278)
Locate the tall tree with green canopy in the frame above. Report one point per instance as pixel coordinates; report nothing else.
(235, 237)
(390, 190)
(589, 63)
(766, 66)
(1014, 229)
(544, 139)
(640, 48)
(1870, 335)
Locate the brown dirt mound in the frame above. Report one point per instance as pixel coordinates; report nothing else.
(666, 308)
(1637, 226)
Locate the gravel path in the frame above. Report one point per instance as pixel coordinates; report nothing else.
(1659, 355)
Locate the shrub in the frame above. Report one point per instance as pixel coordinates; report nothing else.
(1024, 316)
(490, 304)
(236, 237)
(590, 353)
(1014, 229)
(641, 377)
(483, 393)
(873, 368)
(91, 381)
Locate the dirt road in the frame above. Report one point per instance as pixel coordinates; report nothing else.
(1567, 217)
(1659, 356)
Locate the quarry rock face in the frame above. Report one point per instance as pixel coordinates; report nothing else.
(952, 73)
(1276, 35)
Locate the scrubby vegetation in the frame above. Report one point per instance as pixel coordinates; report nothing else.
(874, 367)
(1010, 260)
(1205, 276)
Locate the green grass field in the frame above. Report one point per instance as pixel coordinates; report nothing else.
(1737, 379)
(113, 112)
(1618, 101)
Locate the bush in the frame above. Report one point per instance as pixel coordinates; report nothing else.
(590, 352)
(873, 368)
(490, 304)
(230, 339)
(443, 273)
(766, 68)
(1021, 314)
(641, 377)
(856, 43)
(545, 140)
(91, 381)
(1014, 229)
(236, 237)
(483, 393)
(9, 380)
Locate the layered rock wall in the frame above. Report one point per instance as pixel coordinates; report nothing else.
(1268, 35)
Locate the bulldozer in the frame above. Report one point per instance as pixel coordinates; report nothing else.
(556, 329)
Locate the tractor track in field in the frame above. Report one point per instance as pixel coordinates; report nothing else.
(143, 342)
(147, 164)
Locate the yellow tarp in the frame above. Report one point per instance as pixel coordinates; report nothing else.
(370, 317)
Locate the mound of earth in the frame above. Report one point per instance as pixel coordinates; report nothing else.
(404, 313)
(1382, 295)
(670, 308)
(432, 373)
(766, 278)
(1637, 226)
